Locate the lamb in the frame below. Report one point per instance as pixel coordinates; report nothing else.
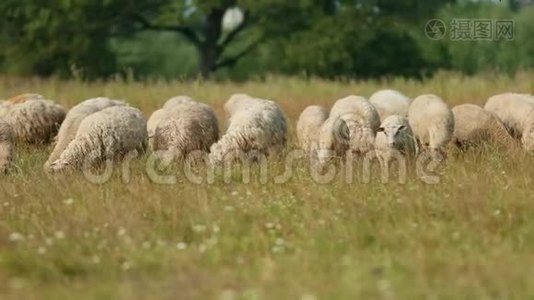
(474, 126)
(258, 126)
(432, 122)
(516, 111)
(361, 118)
(69, 128)
(33, 119)
(186, 128)
(309, 123)
(395, 137)
(6, 147)
(109, 134)
(390, 102)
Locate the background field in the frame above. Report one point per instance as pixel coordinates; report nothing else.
(470, 236)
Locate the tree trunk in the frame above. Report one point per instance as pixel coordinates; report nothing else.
(209, 50)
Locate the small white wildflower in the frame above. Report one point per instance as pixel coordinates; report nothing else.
(15, 237)
(41, 250)
(202, 248)
(161, 243)
(216, 228)
(49, 241)
(277, 249)
(69, 201)
(497, 212)
(234, 193)
(6, 204)
(249, 193)
(279, 241)
(121, 231)
(321, 222)
(181, 246)
(59, 235)
(126, 266)
(199, 228)
(278, 226)
(95, 260)
(269, 225)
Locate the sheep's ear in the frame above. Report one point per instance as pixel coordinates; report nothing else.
(381, 129)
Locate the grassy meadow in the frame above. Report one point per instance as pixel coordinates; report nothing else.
(471, 236)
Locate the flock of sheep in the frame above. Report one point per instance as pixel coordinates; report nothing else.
(388, 124)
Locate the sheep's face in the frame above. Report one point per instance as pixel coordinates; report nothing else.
(393, 134)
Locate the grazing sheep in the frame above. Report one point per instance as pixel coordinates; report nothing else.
(186, 128)
(394, 137)
(178, 100)
(109, 134)
(390, 102)
(33, 119)
(333, 140)
(432, 122)
(473, 126)
(69, 128)
(309, 123)
(516, 111)
(238, 102)
(361, 118)
(258, 126)
(25, 97)
(6, 147)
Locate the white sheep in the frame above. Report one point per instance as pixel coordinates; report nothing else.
(69, 127)
(238, 102)
(516, 111)
(6, 147)
(361, 118)
(390, 102)
(178, 100)
(395, 139)
(186, 128)
(474, 125)
(333, 140)
(255, 125)
(33, 119)
(432, 122)
(109, 134)
(308, 125)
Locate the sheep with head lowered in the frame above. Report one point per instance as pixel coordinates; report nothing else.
(432, 122)
(308, 125)
(256, 125)
(69, 127)
(6, 147)
(333, 140)
(516, 111)
(33, 119)
(474, 126)
(107, 135)
(390, 102)
(395, 139)
(184, 128)
(362, 120)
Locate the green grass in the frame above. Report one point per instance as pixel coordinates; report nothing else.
(469, 237)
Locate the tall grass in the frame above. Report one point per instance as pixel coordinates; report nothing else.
(471, 236)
